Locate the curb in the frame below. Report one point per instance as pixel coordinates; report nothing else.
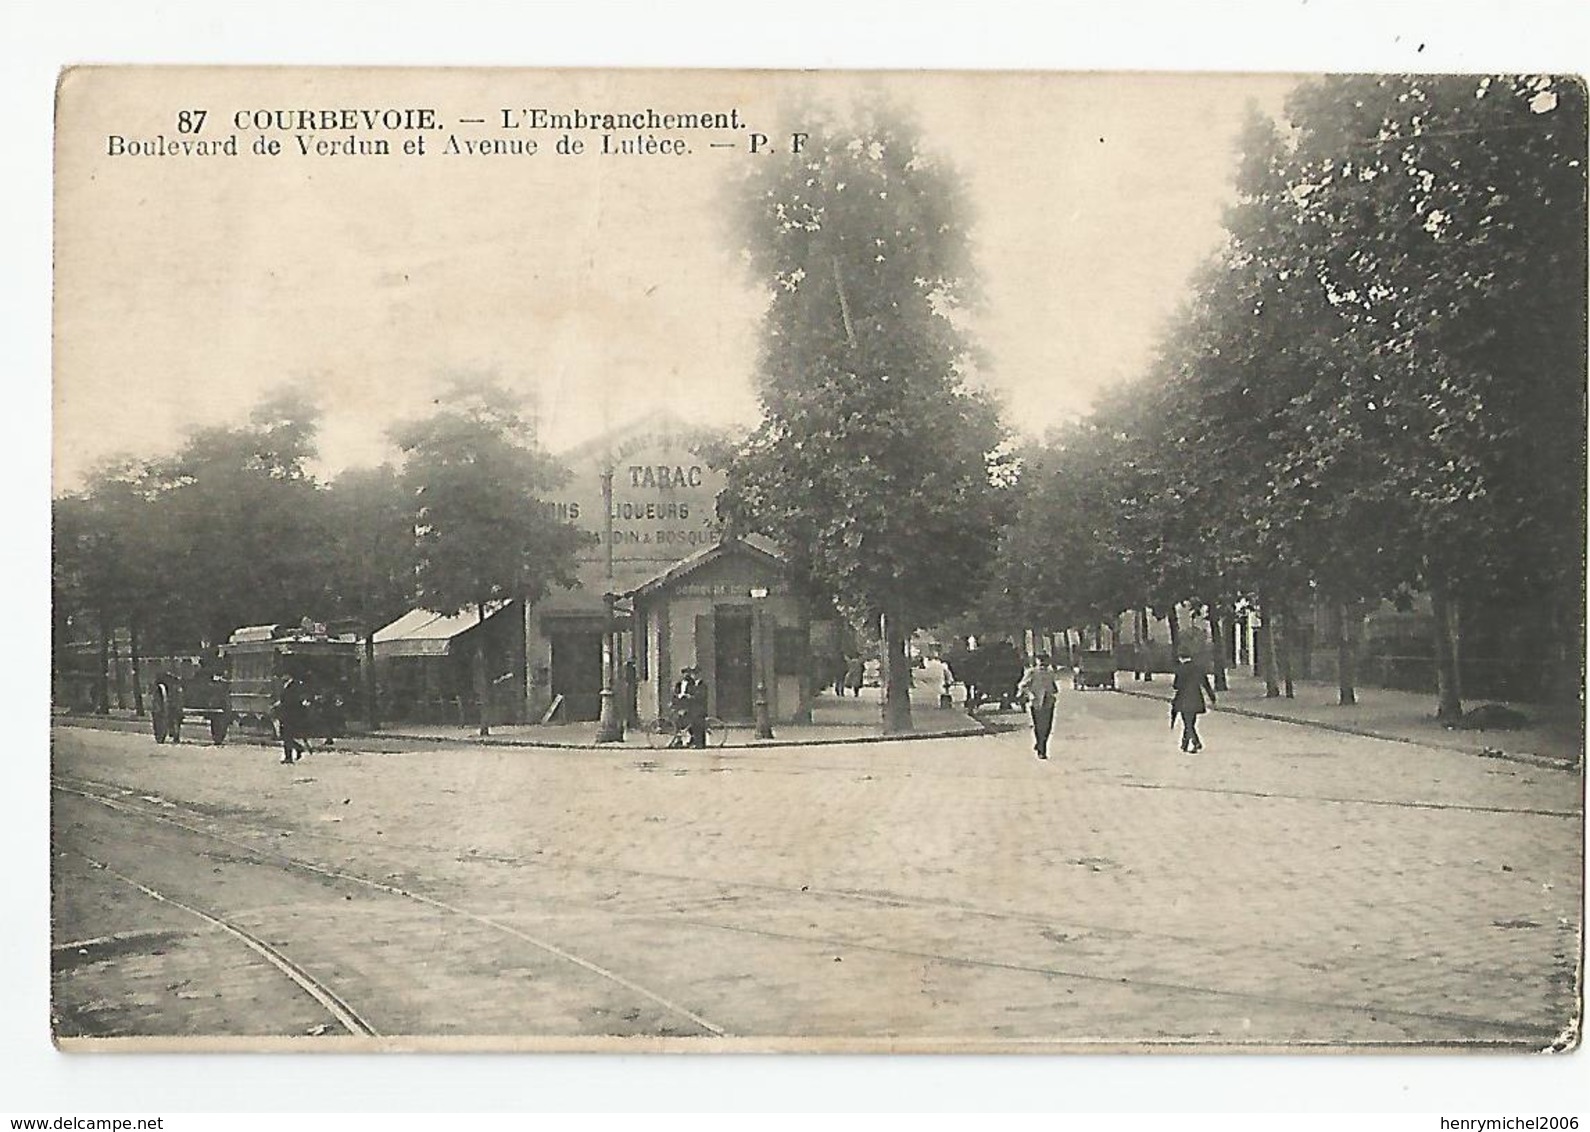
(981, 728)
(1526, 758)
(759, 745)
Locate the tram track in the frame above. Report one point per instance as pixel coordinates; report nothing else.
(284, 861)
(824, 939)
(344, 1014)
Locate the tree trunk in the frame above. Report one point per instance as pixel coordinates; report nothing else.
(1230, 623)
(1349, 619)
(1175, 632)
(120, 673)
(1449, 689)
(896, 677)
(844, 305)
(480, 668)
(1145, 643)
(1267, 639)
(137, 670)
(1217, 648)
(103, 706)
(372, 708)
(1283, 634)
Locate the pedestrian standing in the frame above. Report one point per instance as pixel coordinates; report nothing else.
(690, 708)
(631, 693)
(292, 718)
(1191, 685)
(1039, 687)
(855, 674)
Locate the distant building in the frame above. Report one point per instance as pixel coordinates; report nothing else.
(548, 656)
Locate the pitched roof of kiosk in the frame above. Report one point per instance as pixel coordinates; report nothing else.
(752, 546)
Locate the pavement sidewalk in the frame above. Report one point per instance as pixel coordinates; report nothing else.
(847, 719)
(835, 719)
(1554, 736)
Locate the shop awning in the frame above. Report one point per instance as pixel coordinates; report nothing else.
(421, 632)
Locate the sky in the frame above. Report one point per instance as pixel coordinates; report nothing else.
(603, 287)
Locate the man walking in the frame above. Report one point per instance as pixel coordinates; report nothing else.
(1039, 688)
(1191, 685)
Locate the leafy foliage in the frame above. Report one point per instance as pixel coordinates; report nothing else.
(1377, 385)
(474, 475)
(876, 459)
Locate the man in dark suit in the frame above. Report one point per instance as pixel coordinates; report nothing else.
(1191, 685)
(690, 706)
(292, 718)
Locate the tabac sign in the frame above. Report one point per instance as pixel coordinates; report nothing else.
(664, 494)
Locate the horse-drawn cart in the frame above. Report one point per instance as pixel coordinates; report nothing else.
(189, 690)
(1093, 669)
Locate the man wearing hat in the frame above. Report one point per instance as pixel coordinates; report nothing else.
(1191, 685)
(690, 706)
(1038, 688)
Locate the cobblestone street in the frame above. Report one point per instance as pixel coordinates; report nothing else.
(1290, 885)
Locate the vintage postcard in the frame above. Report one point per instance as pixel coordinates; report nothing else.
(860, 562)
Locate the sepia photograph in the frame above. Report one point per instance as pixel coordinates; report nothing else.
(639, 561)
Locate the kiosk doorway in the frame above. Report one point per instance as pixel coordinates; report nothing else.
(577, 673)
(732, 663)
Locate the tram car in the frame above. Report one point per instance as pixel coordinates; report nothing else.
(262, 657)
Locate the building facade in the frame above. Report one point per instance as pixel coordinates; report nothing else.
(655, 559)
(730, 612)
(664, 499)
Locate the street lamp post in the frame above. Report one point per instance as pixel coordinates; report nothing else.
(764, 721)
(610, 728)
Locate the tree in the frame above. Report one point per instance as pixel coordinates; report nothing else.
(371, 529)
(242, 524)
(1452, 217)
(874, 455)
(106, 565)
(1290, 476)
(474, 473)
(1377, 384)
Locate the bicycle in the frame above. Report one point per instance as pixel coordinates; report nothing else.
(667, 732)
